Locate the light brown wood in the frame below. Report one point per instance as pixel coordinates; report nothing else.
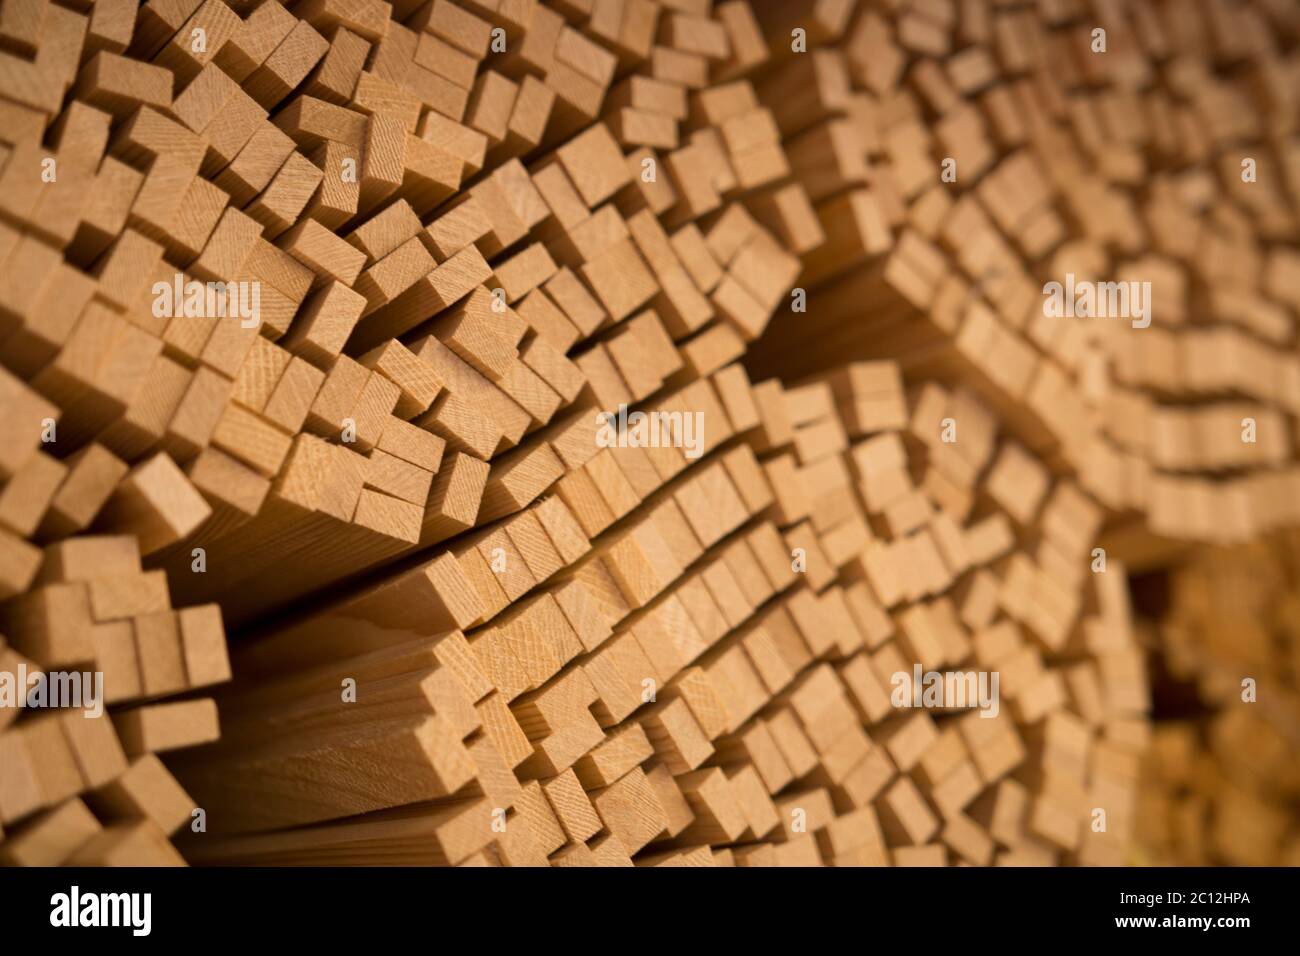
(844, 442)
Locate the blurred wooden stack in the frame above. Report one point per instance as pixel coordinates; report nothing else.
(307, 316)
(1223, 779)
(80, 784)
(1161, 149)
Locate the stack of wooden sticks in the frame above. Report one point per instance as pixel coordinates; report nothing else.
(1222, 781)
(349, 284)
(1122, 142)
(696, 662)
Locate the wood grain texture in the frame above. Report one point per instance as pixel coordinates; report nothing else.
(582, 418)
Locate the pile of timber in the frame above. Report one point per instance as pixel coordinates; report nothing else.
(1162, 150)
(694, 662)
(348, 283)
(1222, 783)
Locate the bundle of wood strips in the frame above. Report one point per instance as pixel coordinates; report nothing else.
(503, 432)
